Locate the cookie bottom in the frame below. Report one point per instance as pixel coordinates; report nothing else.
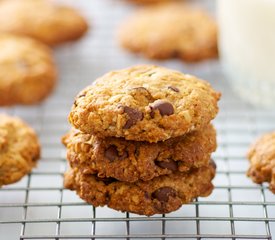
(161, 195)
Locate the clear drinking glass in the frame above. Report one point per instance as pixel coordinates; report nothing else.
(247, 48)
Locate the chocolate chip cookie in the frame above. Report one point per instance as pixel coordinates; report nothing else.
(161, 195)
(42, 20)
(262, 160)
(144, 103)
(131, 161)
(170, 30)
(19, 149)
(27, 70)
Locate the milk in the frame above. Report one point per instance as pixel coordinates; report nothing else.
(247, 47)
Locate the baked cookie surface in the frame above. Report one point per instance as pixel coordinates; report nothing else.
(161, 195)
(131, 161)
(170, 30)
(19, 149)
(42, 20)
(27, 70)
(262, 160)
(144, 103)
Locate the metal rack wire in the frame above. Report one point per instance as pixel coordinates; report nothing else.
(38, 207)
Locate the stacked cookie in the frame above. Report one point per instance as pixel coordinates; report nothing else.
(142, 140)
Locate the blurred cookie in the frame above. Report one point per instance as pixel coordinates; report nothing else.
(27, 70)
(262, 160)
(42, 20)
(161, 195)
(170, 30)
(131, 161)
(19, 149)
(144, 103)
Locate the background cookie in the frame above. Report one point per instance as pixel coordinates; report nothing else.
(41, 19)
(19, 149)
(170, 30)
(27, 70)
(144, 103)
(262, 160)
(163, 194)
(132, 161)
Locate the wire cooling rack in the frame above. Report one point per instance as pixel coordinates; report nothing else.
(38, 207)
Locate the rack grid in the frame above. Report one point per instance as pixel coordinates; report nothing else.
(38, 207)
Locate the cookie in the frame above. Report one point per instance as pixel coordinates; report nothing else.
(131, 161)
(262, 160)
(27, 71)
(42, 20)
(144, 103)
(161, 195)
(170, 31)
(19, 149)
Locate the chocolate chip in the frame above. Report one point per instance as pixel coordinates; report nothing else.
(106, 180)
(134, 116)
(163, 194)
(111, 153)
(175, 89)
(170, 164)
(165, 108)
(146, 195)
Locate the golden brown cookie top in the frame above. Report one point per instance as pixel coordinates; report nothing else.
(19, 149)
(41, 19)
(144, 103)
(27, 70)
(170, 30)
(262, 160)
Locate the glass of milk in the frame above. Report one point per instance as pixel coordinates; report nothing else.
(247, 48)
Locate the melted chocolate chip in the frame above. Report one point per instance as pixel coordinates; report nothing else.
(165, 108)
(106, 181)
(175, 89)
(146, 195)
(111, 153)
(134, 116)
(170, 164)
(163, 194)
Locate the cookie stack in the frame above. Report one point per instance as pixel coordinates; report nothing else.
(142, 140)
